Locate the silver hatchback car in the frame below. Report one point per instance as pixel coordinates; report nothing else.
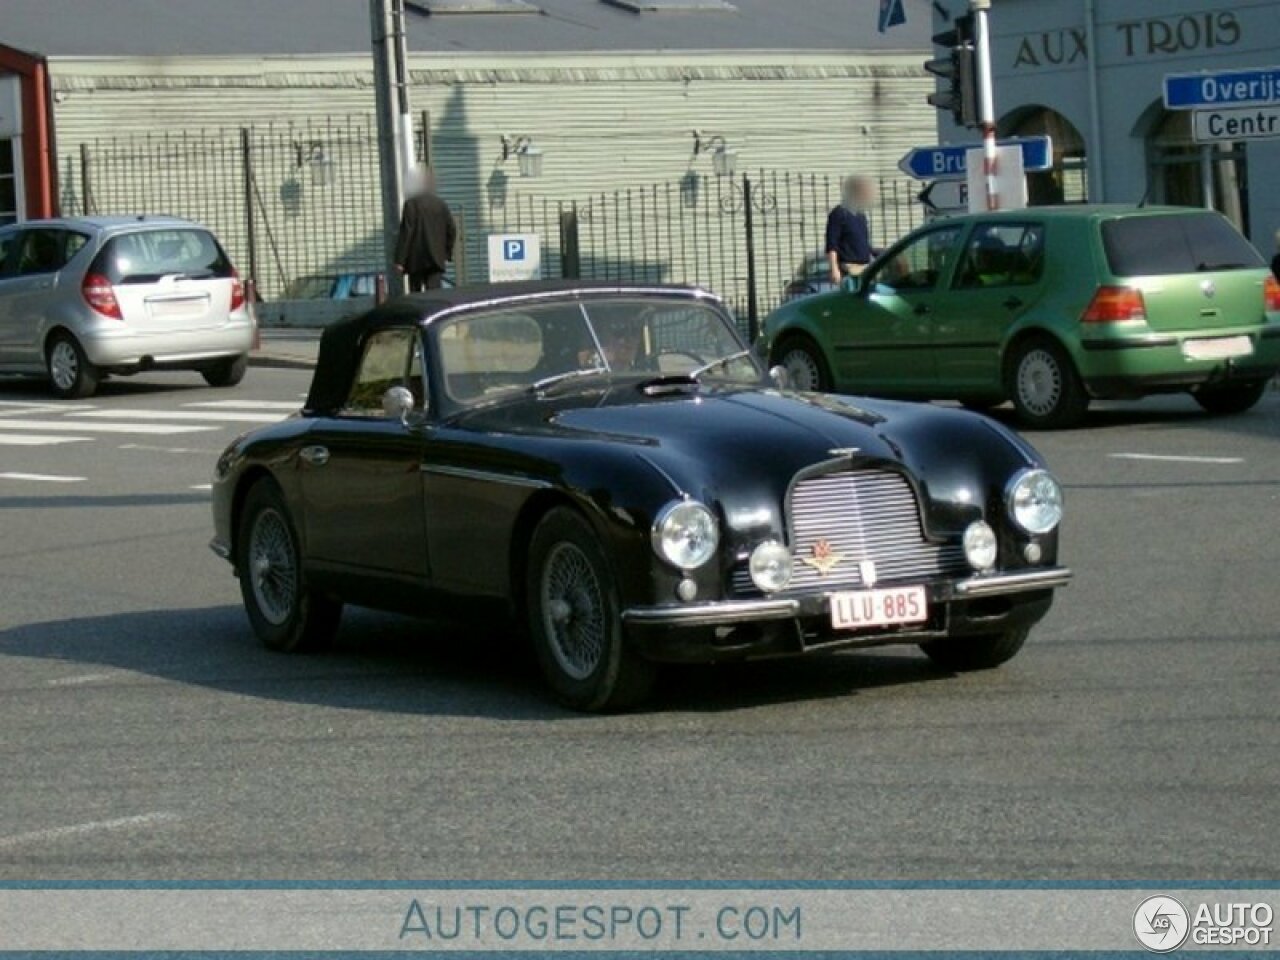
(87, 297)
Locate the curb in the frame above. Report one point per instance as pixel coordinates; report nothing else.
(280, 362)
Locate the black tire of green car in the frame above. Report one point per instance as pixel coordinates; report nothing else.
(71, 375)
(804, 362)
(1043, 384)
(1231, 398)
(962, 654)
(286, 614)
(574, 619)
(226, 373)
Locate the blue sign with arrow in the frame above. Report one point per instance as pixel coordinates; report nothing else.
(948, 163)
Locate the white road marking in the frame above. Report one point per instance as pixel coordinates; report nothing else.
(285, 405)
(79, 679)
(41, 477)
(15, 407)
(93, 826)
(152, 448)
(202, 415)
(1170, 458)
(89, 426)
(34, 439)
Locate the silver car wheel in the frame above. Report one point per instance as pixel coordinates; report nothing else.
(1039, 382)
(273, 570)
(573, 611)
(64, 365)
(802, 368)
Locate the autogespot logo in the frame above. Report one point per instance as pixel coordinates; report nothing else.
(1161, 924)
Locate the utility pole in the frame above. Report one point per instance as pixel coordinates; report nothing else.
(395, 125)
(986, 101)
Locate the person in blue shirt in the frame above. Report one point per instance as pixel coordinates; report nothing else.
(849, 247)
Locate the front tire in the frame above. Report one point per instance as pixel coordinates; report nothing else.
(71, 374)
(1044, 386)
(574, 619)
(226, 373)
(286, 614)
(1231, 398)
(804, 363)
(963, 654)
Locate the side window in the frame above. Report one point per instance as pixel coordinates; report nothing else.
(919, 264)
(385, 364)
(10, 242)
(1002, 255)
(42, 251)
(72, 243)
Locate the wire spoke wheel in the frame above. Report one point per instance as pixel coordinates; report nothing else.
(802, 367)
(1039, 382)
(573, 611)
(273, 567)
(64, 365)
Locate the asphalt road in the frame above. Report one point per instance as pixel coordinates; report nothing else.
(144, 734)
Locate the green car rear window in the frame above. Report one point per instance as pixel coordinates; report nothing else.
(1164, 244)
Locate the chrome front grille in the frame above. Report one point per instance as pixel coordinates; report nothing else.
(862, 515)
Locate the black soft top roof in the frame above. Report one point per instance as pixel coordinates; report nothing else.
(342, 342)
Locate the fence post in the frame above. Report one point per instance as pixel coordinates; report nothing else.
(250, 235)
(426, 138)
(753, 300)
(570, 254)
(86, 189)
(460, 249)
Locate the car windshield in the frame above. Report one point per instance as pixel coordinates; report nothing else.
(534, 347)
(1165, 244)
(144, 256)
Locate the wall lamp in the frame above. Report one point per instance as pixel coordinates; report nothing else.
(314, 156)
(723, 158)
(528, 156)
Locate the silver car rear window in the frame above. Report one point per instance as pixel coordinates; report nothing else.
(144, 256)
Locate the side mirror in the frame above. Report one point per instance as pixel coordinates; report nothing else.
(781, 379)
(398, 403)
(851, 284)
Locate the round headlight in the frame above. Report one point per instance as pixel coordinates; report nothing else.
(980, 547)
(1035, 501)
(686, 534)
(771, 566)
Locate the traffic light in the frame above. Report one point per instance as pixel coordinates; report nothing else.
(959, 67)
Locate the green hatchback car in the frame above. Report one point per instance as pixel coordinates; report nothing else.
(1048, 308)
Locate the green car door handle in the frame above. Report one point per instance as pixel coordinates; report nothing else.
(1013, 303)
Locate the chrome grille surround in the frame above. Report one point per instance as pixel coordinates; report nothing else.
(862, 515)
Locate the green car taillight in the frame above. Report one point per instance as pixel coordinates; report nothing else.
(1112, 304)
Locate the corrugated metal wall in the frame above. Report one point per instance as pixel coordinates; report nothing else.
(604, 123)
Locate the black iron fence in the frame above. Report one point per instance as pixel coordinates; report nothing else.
(301, 201)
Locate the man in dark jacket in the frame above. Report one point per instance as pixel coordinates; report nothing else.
(848, 246)
(424, 246)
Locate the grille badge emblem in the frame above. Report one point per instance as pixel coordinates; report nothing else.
(824, 559)
(867, 571)
(1209, 289)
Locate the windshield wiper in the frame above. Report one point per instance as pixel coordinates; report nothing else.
(695, 373)
(1212, 267)
(538, 386)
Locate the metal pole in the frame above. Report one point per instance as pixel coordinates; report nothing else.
(426, 138)
(986, 101)
(86, 185)
(1206, 176)
(388, 122)
(250, 233)
(753, 300)
(1097, 191)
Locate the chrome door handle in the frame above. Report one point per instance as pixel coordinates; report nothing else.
(316, 456)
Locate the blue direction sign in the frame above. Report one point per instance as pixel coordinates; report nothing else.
(1228, 88)
(948, 163)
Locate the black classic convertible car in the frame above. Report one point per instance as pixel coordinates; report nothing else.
(611, 468)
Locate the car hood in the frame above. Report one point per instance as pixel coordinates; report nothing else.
(740, 448)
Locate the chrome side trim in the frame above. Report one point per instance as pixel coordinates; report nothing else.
(485, 476)
(221, 549)
(718, 612)
(1013, 582)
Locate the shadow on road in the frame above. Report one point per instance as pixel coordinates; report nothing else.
(103, 500)
(1162, 414)
(401, 665)
(36, 389)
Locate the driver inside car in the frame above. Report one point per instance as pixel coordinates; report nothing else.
(622, 340)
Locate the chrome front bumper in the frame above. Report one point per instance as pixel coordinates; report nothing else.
(727, 612)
